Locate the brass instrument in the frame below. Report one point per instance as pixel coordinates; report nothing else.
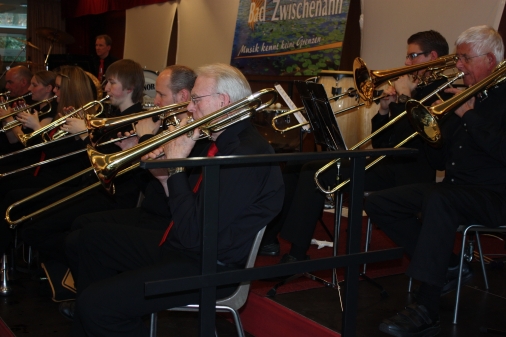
(27, 138)
(367, 80)
(15, 123)
(350, 93)
(14, 223)
(365, 140)
(20, 98)
(425, 121)
(106, 167)
(97, 127)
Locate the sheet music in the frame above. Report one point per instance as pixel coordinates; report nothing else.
(300, 118)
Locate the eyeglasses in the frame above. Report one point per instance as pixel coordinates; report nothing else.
(412, 56)
(466, 59)
(196, 99)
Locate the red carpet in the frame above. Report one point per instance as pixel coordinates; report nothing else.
(4, 330)
(379, 241)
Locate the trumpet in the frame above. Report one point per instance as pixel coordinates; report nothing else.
(26, 139)
(367, 80)
(19, 98)
(365, 140)
(425, 121)
(106, 167)
(15, 123)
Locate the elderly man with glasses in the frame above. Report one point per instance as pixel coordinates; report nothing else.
(303, 203)
(115, 261)
(423, 218)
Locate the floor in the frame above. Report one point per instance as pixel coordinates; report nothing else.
(30, 312)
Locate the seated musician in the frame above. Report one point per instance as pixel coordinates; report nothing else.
(115, 260)
(46, 233)
(18, 84)
(304, 203)
(72, 86)
(423, 218)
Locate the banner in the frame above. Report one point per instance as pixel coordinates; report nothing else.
(289, 37)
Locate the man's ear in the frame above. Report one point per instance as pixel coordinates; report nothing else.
(433, 55)
(492, 61)
(225, 99)
(183, 95)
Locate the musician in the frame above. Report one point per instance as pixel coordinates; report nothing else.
(72, 87)
(17, 82)
(125, 84)
(41, 88)
(423, 218)
(173, 85)
(130, 256)
(103, 59)
(304, 203)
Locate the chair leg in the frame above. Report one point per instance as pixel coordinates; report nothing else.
(152, 324)
(410, 284)
(368, 237)
(457, 297)
(485, 278)
(237, 320)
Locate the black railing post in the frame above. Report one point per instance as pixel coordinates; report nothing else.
(209, 244)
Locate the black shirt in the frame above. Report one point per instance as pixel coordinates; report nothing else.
(249, 197)
(474, 149)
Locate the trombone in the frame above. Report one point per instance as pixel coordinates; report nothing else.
(107, 167)
(426, 120)
(351, 92)
(367, 80)
(98, 127)
(12, 124)
(365, 140)
(26, 139)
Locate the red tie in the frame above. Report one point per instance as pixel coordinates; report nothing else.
(42, 154)
(211, 152)
(101, 70)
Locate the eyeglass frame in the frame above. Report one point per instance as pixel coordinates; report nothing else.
(413, 56)
(466, 59)
(196, 99)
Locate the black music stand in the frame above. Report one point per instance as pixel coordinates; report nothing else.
(326, 133)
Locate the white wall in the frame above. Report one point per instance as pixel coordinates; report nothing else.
(147, 34)
(387, 24)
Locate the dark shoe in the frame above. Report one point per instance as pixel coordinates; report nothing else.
(452, 276)
(271, 249)
(413, 321)
(287, 258)
(67, 309)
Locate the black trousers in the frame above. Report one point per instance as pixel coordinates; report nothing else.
(303, 202)
(114, 263)
(423, 219)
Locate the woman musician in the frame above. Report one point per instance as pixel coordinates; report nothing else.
(27, 120)
(73, 88)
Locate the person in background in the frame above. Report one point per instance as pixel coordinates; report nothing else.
(103, 58)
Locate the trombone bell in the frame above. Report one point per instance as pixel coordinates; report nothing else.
(424, 122)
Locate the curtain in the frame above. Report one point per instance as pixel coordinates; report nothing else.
(76, 8)
(39, 16)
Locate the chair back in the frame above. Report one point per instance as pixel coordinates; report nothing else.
(237, 299)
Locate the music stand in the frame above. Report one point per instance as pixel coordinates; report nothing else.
(326, 133)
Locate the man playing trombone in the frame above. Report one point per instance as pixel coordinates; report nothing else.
(423, 218)
(249, 197)
(304, 203)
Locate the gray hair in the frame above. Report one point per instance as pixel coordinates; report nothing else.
(181, 77)
(483, 39)
(228, 79)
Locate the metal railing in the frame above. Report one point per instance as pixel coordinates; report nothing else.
(210, 279)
